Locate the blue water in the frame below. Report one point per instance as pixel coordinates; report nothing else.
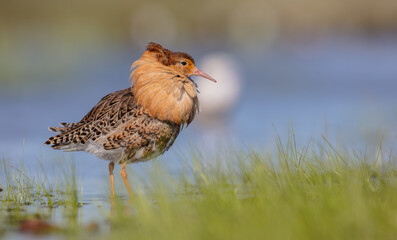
(344, 89)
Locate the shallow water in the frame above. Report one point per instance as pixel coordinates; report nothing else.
(344, 89)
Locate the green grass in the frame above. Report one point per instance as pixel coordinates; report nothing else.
(23, 189)
(311, 192)
(297, 194)
(29, 194)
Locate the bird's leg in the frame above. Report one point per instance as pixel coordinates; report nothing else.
(111, 167)
(125, 179)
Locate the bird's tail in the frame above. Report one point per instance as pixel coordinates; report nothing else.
(70, 135)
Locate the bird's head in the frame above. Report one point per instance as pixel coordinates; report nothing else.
(161, 83)
(180, 62)
(184, 63)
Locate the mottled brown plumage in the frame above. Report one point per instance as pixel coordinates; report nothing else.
(141, 122)
(117, 122)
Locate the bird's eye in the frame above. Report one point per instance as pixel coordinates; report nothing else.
(184, 63)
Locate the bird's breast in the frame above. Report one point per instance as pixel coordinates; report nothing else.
(169, 100)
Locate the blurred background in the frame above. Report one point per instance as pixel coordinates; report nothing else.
(328, 67)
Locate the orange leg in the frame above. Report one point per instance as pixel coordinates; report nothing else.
(111, 167)
(125, 179)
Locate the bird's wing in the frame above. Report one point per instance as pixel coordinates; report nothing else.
(111, 111)
(142, 135)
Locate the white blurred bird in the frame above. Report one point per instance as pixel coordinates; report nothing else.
(217, 100)
(217, 103)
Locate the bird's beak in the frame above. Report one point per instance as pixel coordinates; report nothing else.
(197, 72)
